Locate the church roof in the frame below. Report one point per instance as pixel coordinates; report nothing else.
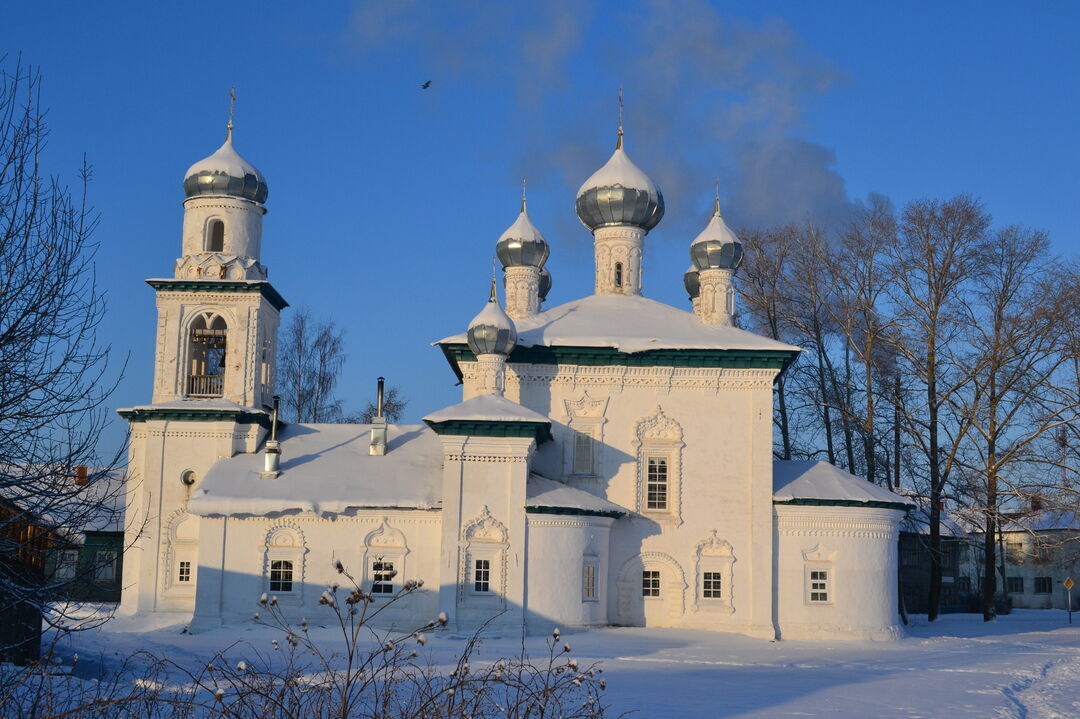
(547, 496)
(486, 408)
(629, 324)
(326, 469)
(818, 482)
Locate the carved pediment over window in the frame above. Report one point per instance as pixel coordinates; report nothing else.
(285, 535)
(586, 406)
(818, 554)
(485, 528)
(713, 546)
(386, 536)
(658, 426)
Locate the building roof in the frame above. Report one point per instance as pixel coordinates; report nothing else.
(629, 324)
(548, 496)
(486, 408)
(818, 482)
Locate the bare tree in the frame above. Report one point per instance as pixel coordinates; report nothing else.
(394, 404)
(311, 355)
(54, 374)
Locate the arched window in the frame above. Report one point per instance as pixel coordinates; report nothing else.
(618, 274)
(206, 377)
(215, 236)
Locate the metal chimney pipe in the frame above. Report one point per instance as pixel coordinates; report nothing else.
(378, 425)
(379, 401)
(273, 425)
(272, 453)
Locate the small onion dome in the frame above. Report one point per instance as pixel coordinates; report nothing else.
(717, 247)
(619, 193)
(522, 245)
(545, 283)
(691, 282)
(225, 173)
(492, 331)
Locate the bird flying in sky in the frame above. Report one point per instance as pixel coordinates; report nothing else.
(426, 85)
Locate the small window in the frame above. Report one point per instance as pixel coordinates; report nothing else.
(105, 566)
(964, 584)
(188, 477)
(1044, 585)
(1014, 585)
(382, 577)
(588, 582)
(281, 575)
(482, 576)
(650, 583)
(583, 452)
(215, 236)
(710, 585)
(618, 274)
(68, 564)
(184, 573)
(1014, 552)
(819, 585)
(656, 487)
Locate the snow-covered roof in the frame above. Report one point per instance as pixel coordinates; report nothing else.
(225, 160)
(812, 480)
(619, 171)
(548, 494)
(629, 324)
(486, 408)
(194, 404)
(327, 468)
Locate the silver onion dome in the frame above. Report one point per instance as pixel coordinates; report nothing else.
(692, 282)
(717, 247)
(225, 173)
(619, 193)
(492, 331)
(545, 283)
(522, 245)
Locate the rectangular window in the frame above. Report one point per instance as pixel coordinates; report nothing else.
(583, 452)
(1014, 585)
(382, 577)
(1014, 552)
(1044, 585)
(482, 576)
(67, 564)
(819, 585)
(656, 483)
(710, 585)
(281, 576)
(105, 566)
(965, 584)
(184, 575)
(588, 582)
(650, 583)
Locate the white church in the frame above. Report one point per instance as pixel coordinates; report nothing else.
(610, 463)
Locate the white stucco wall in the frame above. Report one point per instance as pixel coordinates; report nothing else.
(559, 548)
(857, 547)
(243, 225)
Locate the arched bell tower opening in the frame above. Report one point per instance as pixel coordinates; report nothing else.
(215, 236)
(206, 352)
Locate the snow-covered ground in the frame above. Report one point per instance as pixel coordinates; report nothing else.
(1025, 665)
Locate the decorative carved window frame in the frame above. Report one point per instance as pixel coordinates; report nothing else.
(178, 550)
(285, 542)
(387, 544)
(484, 537)
(584, 415)
(658, 435)
(714, 554)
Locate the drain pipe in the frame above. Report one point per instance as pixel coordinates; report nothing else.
(272, 454)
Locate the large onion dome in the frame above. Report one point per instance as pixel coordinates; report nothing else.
(717, 247)
(522, 245)
(619, 193)
(545, 284)
(692, 282)
(492, 331)
(225, 173)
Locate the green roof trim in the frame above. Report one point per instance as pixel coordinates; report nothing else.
(608, 356)
(540, 431)
(195, 414)
(205, 285)
(574, 511)
(872, 504)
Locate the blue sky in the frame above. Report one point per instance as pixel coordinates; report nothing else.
(386, 200)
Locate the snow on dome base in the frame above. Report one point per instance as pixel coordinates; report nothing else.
(225, 173)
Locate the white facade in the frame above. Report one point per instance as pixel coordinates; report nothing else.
(610, 463)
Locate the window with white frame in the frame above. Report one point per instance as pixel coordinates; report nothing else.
(284, 564)
(650, 583)
(482, 576)
(712, 585)
(659, 456)
(104, 566)
(183, 573)
(281, 575)
(67, 564)
(584, 444)
(656, 483)
(819, 591)
(382, 576)
(588, 582)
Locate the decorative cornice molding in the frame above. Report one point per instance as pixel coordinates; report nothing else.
(262, 287)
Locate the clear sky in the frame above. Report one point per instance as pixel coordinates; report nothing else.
(386, 200)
